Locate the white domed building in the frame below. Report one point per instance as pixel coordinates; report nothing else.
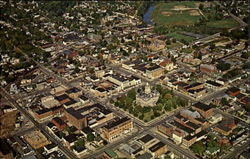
(147, 97)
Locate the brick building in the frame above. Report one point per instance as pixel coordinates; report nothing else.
(205, 110)
(116, 128)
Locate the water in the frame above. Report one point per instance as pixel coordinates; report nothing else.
(147, 15)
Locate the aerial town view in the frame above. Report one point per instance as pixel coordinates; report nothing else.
(124, 79)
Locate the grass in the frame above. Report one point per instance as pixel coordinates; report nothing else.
(225, 24)
(176, 18)
(179, 36)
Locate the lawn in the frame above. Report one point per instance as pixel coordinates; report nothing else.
(164, 15)
(226, 23)
(179, 36)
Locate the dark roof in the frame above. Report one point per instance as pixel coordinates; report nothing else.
(59, 121)
(72, 101)
(61, 97)
(202, 133)
(146, 138)
(202, 106)
(193, 125)
(50, 125)
(71, 138)
(73, 90)
(189, 137)
(193, 85)
(153, 68)
(233, 89)
(240, 96)
(184, 128)
(87, 130)
(115, 123)
(144, 156)
(83, 97)
(213, 83)
(77, 113)
(50, 146)
(157, 146)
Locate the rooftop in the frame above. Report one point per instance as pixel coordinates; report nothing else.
(202, 106)
(157, 146)
(146, 138)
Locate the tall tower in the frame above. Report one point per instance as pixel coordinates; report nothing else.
(147, 89)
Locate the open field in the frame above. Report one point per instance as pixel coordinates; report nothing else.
(176, 13)
(226, 24)
(179, 36)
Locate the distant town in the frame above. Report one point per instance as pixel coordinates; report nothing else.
(124, 79)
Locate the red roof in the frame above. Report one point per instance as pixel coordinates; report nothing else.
(165, 62)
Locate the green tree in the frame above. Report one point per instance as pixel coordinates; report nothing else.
(224, 101)
(132, 93)
(90, 137)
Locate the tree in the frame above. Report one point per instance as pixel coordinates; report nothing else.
(132, 93)
(90, 137)
(201, 6)
(223, 66)
(79, 143)
(224, 101)
(198, 148)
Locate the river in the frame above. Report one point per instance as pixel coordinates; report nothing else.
(147, 16)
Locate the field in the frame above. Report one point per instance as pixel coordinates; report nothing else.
(176, 13)
(225, 24)
(179, 36)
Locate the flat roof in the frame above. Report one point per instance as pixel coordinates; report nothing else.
(202, 106)
(157, 146)
(115, 123)
(146, 138)
(61, 97)
(59, 121)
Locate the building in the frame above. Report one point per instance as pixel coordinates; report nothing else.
(147, 97)
(209, 69)
(205, 110)
(91, 116)
(116, 128)
(59, 123)
(36, 139)
(154, 72)
(216, 118)
(233, 91)
(167, 64)
(50, 148)
(158, 149)
(124, 82)
(226, 126)
(73, 92)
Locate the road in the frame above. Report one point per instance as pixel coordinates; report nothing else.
(237, 150)
(143, 128)
(42, 128)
